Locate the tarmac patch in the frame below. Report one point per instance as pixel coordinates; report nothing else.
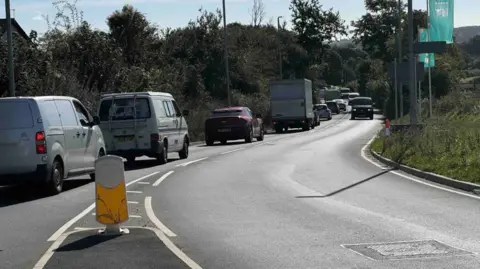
(406, 250)
(88, 250)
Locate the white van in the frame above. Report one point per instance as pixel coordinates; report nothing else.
(47, 139)
(143, 124)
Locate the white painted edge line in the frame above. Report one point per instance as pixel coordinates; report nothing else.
(194, 161)
(132, 202)
(162, 178)
(134, 216)
(67, 225)
(155, 220)
(138, 192)
(168, 243)
(231, 151)
(365, 148)
(143, 183)
(173, 248)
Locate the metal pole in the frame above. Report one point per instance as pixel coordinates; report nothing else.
(396, 88)
(429, 63)
(225, 47)
(280, 57)
(11, 71)
(411, 60)
(399, 43)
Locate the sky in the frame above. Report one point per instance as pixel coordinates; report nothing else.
(177, 13)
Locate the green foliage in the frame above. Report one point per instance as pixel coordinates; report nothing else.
(448, 145)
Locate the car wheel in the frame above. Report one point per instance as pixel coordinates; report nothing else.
(278, 130)
(54, 184)
(101, 153)
(183, 154)
(209, 142)
(371, 117)
(329, 118)
(262, 135)
(223, 142)
(249, 137)
(162, 158)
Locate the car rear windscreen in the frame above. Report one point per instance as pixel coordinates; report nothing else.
(361, 102)
(15, 115)
(227, 113)
(124, 109)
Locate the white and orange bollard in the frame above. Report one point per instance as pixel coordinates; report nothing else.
(111, 194)
(387, 127)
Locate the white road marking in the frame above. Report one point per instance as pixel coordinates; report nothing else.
(138, 192)
(168, 243)
(231, 151)
(135, 216)
(67, 225)
(143, 183)
(187, 163)
(365, 148)
(154, 219)
(132, 202)
(162, 178)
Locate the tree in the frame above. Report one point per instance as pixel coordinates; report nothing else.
(315, 28)
(257, 13)
(374, 30)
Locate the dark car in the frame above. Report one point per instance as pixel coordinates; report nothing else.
(362, 107)
(233, 123)
(333, 106)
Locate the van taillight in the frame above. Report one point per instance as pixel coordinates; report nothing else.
(154, 137)
(40, 143)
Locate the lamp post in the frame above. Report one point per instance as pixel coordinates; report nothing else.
(11, 74)
(225, 48)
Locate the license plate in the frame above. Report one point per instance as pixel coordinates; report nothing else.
(125, 138)
(224, 130)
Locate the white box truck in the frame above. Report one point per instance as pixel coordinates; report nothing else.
(291, 104)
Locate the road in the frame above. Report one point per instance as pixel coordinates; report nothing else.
(297, 200)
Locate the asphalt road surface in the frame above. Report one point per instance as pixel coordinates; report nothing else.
(297, 200)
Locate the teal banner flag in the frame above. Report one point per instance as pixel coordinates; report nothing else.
(441, 20)
(427, 58)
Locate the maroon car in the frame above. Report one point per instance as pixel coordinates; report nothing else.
(233, 123)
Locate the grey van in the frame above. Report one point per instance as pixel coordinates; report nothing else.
(46, 140)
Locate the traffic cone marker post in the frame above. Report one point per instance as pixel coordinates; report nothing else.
(387, 127)
(111, 205)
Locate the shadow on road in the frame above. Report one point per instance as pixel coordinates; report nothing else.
(348, 187)
(143, 164)
(218, 144)
(86, 242)
(17, 194)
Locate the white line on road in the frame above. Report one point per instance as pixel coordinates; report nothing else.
(162, 178)
(143, 183)
(138, 192)
(132, 202)
(366, 147)
(231, 151)
(67, 225)
(187, 163)
(154, 219)
(135, 216)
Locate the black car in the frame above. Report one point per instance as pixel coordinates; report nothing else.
(333, 106)
(233, 123)
(362, 107)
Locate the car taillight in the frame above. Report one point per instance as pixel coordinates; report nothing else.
(244, 118)
(154, 137)
(274, 122)
(40, 143)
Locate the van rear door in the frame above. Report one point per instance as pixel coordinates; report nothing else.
(125, 122)
(17, 136)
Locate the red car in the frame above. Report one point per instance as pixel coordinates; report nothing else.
(233, 123)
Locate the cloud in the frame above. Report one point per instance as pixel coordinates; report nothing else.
(38, 17)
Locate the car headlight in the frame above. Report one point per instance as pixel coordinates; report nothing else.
(354, 109)
(369, 109)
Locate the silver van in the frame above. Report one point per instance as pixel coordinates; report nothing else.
(143, 124)
(46, 140)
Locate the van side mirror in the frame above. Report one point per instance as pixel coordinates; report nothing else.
(96, 120)
(185, 112)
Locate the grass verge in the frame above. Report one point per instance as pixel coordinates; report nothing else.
(449, 144)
